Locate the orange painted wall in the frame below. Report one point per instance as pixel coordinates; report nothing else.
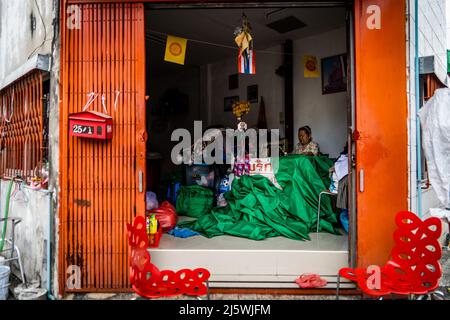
(381, 119)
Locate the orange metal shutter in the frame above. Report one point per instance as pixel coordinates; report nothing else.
(100, 189)
(381, 119)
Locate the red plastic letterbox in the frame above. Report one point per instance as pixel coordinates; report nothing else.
(91, 124)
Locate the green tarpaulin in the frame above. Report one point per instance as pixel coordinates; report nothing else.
(258, 210)
(194, 201)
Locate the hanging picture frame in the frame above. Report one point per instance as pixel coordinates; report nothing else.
(233, 81)
(228, 103)
(252, 93)
(334, 74)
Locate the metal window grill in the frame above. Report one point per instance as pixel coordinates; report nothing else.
(21, 126)
(431, 84)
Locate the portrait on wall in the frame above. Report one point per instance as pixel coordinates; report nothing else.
(233, 81)
(334, 74)
(252, 93)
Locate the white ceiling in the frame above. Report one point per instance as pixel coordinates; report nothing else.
(218, 25)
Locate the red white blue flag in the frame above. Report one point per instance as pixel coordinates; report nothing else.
(246, 62)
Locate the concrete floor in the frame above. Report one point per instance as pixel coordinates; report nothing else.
(101, 296)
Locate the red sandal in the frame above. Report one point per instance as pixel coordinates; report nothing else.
(309, 280)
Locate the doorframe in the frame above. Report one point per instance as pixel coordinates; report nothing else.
(351, 87)
(209, 4)
(351, 121)
(138, 137)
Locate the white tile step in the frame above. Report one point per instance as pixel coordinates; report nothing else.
(270, 263)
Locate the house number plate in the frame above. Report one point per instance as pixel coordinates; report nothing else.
(80, 129)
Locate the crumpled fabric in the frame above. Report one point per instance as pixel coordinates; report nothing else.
(341, 166)
(258, 210)
(194, 201)
(182, 232)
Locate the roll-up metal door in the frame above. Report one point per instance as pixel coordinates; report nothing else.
(102, 182)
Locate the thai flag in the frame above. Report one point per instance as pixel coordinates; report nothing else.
(246, 62)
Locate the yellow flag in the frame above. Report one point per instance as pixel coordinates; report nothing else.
(175, 50)
(310, 67)
(243, 41)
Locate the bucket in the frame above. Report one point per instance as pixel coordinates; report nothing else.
(33, 294)
(4, 282)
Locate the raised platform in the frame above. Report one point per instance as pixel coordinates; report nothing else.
(242, 263)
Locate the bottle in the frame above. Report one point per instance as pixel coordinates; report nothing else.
(147, 222)
(153, 229)
(153, 224)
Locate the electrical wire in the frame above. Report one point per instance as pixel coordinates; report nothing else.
(45, 31)
(218, 44)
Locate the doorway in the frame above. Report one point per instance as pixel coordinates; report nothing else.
(201, 87)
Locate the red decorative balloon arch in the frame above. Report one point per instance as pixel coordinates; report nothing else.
(150, 282)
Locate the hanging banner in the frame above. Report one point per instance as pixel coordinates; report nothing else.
(310, 67)
(244, 40)
(175, 50)
(246, 62)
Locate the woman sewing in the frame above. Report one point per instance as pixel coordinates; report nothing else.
(306, 145)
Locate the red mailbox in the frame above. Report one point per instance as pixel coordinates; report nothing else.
(91, 124)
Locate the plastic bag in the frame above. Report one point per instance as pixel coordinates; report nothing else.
(224, 187)
(151, 201)
(166, 216)
(334, 185)
(435, 120)
(344, 219)
(172, 190)
(194, 201)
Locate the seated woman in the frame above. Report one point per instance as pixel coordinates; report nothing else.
(306, 146)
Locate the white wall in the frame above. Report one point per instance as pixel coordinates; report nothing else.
(432, 34)
(432, 42)
(187, 80)
(325, 114)
(17, 41)
(31, 234)
(208, 86)
(270, 87)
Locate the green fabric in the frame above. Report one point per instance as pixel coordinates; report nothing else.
(5, 222)
(448, 61)
(257, 209)
(194, 201)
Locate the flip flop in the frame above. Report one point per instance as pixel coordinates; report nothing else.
(308, 280)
